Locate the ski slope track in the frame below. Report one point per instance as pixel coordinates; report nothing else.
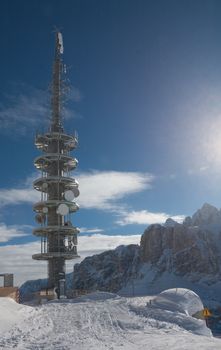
(101, 321)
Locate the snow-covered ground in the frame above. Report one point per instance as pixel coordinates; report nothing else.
(101, 321)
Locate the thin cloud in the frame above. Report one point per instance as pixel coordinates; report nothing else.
(100, 190)
(17, 259)
(14, 196)
(74, 94)
(89, 244)
(198, 171)
(103, 189)
(9, 232)
(91, 230)
(144, 217)
(27, 108)
(203, 168)
(173, 176)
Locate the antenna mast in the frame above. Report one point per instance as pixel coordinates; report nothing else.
(58, 189)
(56, 98)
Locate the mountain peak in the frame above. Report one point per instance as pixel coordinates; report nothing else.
(207, 215)
(170, 223)
(207, 206)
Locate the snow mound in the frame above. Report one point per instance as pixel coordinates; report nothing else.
(178, 299)
(10, 313)
(173, 309)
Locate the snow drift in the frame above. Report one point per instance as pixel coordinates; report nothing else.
(11, 313)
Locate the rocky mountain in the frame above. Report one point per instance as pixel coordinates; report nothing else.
(169, 255)
(172, 255)
(107, 271)
(208, 216)
(181, 249)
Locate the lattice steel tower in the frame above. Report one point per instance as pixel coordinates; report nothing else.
(58, 189)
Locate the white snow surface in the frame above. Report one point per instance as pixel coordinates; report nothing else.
(11, 313)
(101, 321)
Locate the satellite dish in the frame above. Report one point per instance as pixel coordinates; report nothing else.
(71, 163)
(62, 209)
(40, 218)
(76, 192)
(45, 210)
(44, 186)
(69, 195)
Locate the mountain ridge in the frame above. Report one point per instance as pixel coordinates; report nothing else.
(187, 254)
(171, 255)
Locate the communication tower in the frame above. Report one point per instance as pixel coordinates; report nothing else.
(58, 189)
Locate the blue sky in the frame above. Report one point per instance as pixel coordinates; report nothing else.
(145, 100)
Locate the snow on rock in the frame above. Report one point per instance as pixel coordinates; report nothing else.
(180, 249)
(107, 271)
(172, 255)
(29, 288)
(184, 255)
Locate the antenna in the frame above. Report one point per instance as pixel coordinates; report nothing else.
(69, 195)
(57, 82)
(45, 210)
(62, 209)
(57, 188)
(60, 41)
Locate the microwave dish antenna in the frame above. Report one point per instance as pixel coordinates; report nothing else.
(76, 192)
(69, 195)
(44, 186)
(45, 210)
(63, 209)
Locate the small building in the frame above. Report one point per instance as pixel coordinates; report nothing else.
(45, 295)
(8, 289)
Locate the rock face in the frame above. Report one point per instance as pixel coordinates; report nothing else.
(179, 249)
(107, 271)
(191, 250)
(169, 256)
(186, 249)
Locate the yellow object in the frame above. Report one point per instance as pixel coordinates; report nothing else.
(206, 312)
